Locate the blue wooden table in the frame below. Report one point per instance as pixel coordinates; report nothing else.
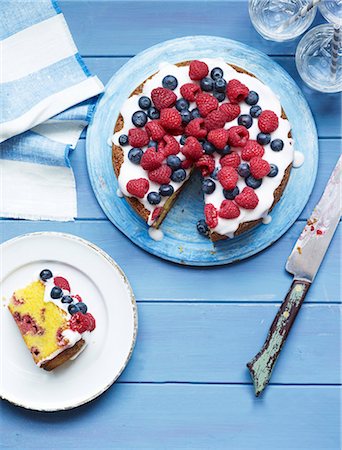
(187, 385)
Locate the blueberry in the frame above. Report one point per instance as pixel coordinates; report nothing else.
(208, 148)
(202, 227)
(277, 145)
(73, 309)
(252, 182)
(255, 111)
(45, 274)
(82, 307)
(231, 194)
(182, 139)
(245, 120)
(154, 198)
(56, 292)
(178, 175)
(135, 155)
(208, 186)
(67, 299)
(220, 96)
(215, 172)
(166, 190)
(207, 84)
(181, 103)
(220, 85)
(185, 115)
(123, 139)
(244, 170)
(174, 162)
(263, 138)
(153, 113)
(170, 82)
(139, 119)
(273, 171)
(144, 102)
(252, 98)
(225, 150)
(153, 144)
(216, 73)
(195, 114)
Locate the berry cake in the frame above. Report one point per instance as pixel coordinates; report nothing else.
(53, 322)
(209, 116)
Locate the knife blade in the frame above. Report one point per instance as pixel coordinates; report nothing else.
(303, 263)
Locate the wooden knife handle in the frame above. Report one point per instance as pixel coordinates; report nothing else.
(262, 364)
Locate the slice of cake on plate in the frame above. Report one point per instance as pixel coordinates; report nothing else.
(53, 323)
(209, 116)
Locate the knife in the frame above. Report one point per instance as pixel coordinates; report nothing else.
(303, 263)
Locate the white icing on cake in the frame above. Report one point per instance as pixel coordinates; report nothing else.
(71, 336)
(268, 100)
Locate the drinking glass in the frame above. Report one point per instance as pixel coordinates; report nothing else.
(268, 16)
(314, 60)
(331, 10)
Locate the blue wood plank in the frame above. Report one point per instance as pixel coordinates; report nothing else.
(126, 28)
(213, 343)
(138, 416)
(260, 278)
(325, 107)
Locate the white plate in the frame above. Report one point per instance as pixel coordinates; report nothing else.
(103, 287)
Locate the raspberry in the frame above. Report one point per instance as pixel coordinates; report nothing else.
(238, 136)
(231, 160)
(215, 119)
(198, 70)
(259, 167)
(172, 146)
(206, 164)
(206, 103)
(247, 198)
(138, 187)
(218, 137)
(163, 98)
(152, 159)
(268, 121)
(156, 213)
(196, 128)
(91, 320)
(229, 210)
(155, 130)
(236, 91)
(189, 91)
(177, 131)
(230, 110)
(251, 149)
(170, 118)
(228, 177)
(138, 137)
(186, 164)
(82, 322)
(210, 213)
(161, 175)
(192, 149)
(62, 283)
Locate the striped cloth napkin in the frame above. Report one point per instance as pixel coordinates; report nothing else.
(47, 97)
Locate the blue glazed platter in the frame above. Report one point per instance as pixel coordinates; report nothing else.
(181, 243)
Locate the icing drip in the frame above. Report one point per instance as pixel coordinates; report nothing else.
(298, 159)
(155, 234)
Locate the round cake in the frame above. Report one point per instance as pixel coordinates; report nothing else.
(212, 117)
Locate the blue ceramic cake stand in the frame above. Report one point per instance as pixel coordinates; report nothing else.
(181, 242)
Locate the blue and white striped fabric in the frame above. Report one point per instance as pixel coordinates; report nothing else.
(47, 96)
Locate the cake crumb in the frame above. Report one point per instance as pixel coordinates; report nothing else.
(299, 250)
